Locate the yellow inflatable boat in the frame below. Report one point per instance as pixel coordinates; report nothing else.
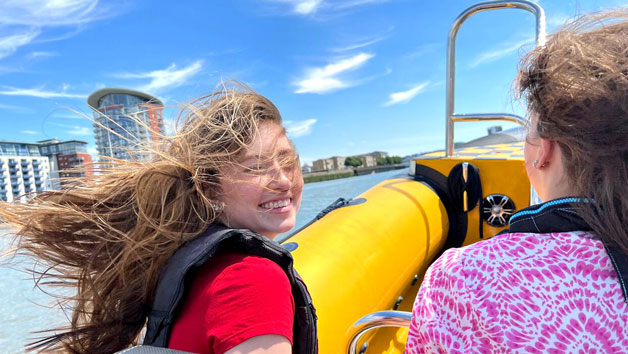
(364, 261)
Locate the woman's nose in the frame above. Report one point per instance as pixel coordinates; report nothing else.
(281, 178)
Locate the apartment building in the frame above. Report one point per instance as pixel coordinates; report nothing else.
(64, 157)
(126, 122)
(334, 163)
(23, 170)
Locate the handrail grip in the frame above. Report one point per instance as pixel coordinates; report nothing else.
(376, 320)
(451, 52)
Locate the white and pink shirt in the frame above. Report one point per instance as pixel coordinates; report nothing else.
(522, 293)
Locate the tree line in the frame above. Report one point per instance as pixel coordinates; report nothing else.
(354, 161)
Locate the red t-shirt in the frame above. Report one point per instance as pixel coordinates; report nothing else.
(233, 298)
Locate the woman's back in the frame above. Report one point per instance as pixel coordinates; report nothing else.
(523, 292)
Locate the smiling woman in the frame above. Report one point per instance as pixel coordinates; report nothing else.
(181, 243)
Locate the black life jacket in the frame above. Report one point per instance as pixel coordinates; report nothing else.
(217, 240)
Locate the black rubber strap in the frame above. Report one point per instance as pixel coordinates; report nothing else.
(457, 220)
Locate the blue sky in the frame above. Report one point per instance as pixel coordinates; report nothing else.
(349, 76)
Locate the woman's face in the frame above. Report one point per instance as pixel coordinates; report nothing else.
(262, 192)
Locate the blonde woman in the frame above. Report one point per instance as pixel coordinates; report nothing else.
(555, 282)
(181, 244)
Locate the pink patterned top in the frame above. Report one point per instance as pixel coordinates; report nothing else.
(522, 293)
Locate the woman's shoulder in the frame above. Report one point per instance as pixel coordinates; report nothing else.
(237, 265)
(516, 250)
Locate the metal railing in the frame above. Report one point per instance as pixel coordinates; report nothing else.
(373, 321)
(452, 117)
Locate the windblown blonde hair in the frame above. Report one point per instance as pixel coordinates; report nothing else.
(577, 83)
(109, 235)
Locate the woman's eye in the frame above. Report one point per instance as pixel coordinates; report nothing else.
(258, 168)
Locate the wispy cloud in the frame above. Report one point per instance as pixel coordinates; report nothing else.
(165, 78)
(34, 55)
(75, 129)
(422, 50)
(359, 45)
(313, 7)
(406, 96)
(29, 132)
(300, 128)
(24, 21)
(327, 79)
(67, 114)
(10, 43)
(39, 92)
(15, 109)
(496, 54)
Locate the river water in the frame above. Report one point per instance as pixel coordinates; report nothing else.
(25, 309)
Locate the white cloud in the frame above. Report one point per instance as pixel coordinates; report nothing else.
(68, 114)
(406, 96)
(49, 12)
(311, 7)
(300, 7)
(307, 6)
(24, 21)
(359, 45)
(16, 109)
(493, 55)
(39, 92)
(75, 129)
(165, 78)
(300, 128)
(30, 132)
(10, 44)
(42, 54)
(325, 80)
(347, 4)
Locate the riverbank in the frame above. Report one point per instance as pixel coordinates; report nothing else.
(360, 171)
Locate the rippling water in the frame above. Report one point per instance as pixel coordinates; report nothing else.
(25, 309)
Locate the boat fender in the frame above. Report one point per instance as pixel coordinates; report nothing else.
(457, 219)
(465, 189)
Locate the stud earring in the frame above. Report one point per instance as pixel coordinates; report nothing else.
(216, 207)
(535, 162)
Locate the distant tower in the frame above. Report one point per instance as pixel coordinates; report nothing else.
(121, 111)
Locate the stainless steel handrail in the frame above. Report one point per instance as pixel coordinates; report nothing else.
(376, 320)
(451, 63)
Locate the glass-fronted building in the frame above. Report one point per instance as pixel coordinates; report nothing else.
(23, 170)
(67, 159)
(126, 122)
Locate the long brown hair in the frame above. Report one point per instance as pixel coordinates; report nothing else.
(109, 235)
(577, 83)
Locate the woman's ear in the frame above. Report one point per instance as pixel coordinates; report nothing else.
(546, 152)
